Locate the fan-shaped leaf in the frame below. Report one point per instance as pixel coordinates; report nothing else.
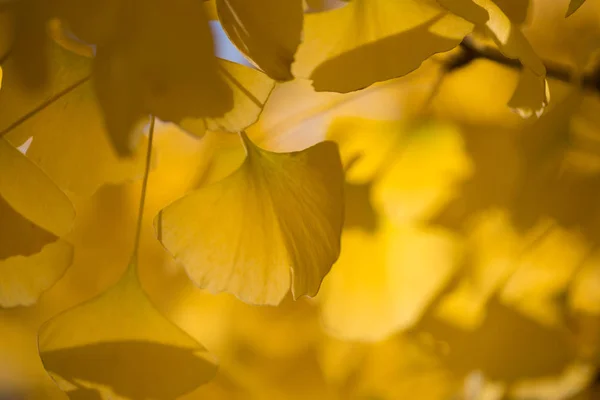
(276, 219)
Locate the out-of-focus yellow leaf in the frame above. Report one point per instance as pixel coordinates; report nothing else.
(574, 6)
(276, 219)
(574, 379)
(267, 31)
(366, 146)
(383, 283)
(34, 214)
(430, 162)
(369, 41)
(492, 244)
(400, 367)
(70, 142)
(584, 295)
(120, 345)
(543, 274)
(250, 89)
(162, 64)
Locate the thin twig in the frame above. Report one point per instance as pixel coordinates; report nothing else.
(561, 72)
(140, 217)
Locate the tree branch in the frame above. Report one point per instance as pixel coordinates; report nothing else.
(561, 72)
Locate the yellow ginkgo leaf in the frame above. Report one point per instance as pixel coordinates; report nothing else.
(368, 41)
(493, 244)
(34, 214)
(272, 224)
(532, 93)
(383, 282)
(162, 64)
(574, 6)
(431, 161)
(121, 346)
(267, 31)
(544, 272)
(250, 89)
(67, 128)
(584, 294)
(366, 146)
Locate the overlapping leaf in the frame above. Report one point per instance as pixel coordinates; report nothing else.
(369, 41)
(276, 219)
(267, 31)
(35, 214)
(532, 93)
(161, 62)
(118, 344)
(70, 141)
(250, 89)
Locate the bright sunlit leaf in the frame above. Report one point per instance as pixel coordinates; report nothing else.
(272, 225)
(119, 345)
(270, 42)
(368, 41)
(431, 161)
(383, 283)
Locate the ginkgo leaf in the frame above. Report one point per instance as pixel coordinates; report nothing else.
(34, 214)
(584, 294)
(544, 272)
(28, 37)
(120, 345)
(275, 220)
(163, 65)
(68, 130)
(532, 93)
(267, 31)
(574, 6)
(250, 89)
(366, 146)
(383, 282)
(368, 41)
(493, 244)
(424, 176)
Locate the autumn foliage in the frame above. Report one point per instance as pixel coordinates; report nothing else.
(368, 199)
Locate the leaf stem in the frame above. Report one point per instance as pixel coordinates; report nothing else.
(43, 105)
(140, 218)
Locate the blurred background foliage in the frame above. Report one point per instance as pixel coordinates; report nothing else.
(469, 266)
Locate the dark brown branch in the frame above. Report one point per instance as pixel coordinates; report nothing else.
(470, 52)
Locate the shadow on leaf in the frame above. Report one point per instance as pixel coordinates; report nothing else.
(134, 369)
